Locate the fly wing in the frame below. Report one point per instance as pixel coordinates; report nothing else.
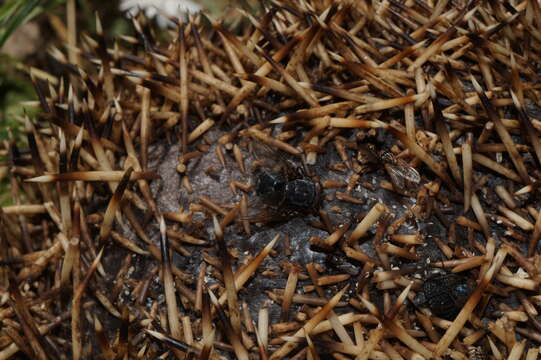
(396, 177)
(271, 159)
(263, 151)
(269, 215)
(265, 157)
(402, 174)
(407, 172)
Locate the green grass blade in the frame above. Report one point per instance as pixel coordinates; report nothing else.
(7, 10)
(18, 18)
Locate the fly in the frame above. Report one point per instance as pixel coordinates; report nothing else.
(282, 185)
(402, 175)
(399, 171)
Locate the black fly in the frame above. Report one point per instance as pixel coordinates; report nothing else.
(444, 294)
(282, 185)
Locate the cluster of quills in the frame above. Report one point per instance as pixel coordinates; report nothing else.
(436, 103)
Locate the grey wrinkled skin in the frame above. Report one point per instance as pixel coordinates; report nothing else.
(171, 196)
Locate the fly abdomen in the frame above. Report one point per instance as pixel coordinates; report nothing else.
(302, 194)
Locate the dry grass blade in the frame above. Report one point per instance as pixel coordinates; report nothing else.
(270, 84)
(480, 215)
(263, 328)
(505, 196)
(336, 235)
(373, 215)
(517, 350)
(65, 206)
(18, 341)
(517, 282)
(409, 118)
(313, 354)
(359, 255)
(206, 320)
(27, 322)
(516, 218)
(494, 166)
(333, 317)
(367, 72)
(467, 165)
(503, 133)
(73, 130)
(532, 354)
(278, 295)
(534, 239)
(373, 339)
(423, 156)
(169, 287)
(397, 251)
(94, 176)
(103, 342)
(234, 337)
(76, 326)
(432, 48)
(350, 123)
(229, 281)
(525, 122)
(309, 326)
(291, 81)
(202, 128)
(183, 65)
(113, 206)
(72, 30)
(443, 133)
(24, 209)
(206, 351)
(145, 126)
(273, 141)
(242, 275)
(314, 112)
(344, 94)
(469, 263)
(208, 77)
(176, 344)
(69, 260)
(398, 330)
(262, 71)
(291, 285)
(391, 103)
(474, 299)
